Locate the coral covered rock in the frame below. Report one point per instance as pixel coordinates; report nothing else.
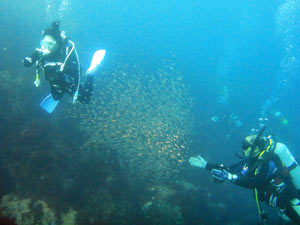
(27, 212)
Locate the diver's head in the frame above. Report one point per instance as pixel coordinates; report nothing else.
(49, 44)
(253, 146)
(52, 39)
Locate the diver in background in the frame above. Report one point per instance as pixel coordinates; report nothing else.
(58, 60)
(269, 169)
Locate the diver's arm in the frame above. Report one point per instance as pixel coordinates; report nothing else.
(30, 60)
(202, 163)
(265, 172)
(246, 182)
(210, 166)
(235, 174)
(245, 178)
(219, 172)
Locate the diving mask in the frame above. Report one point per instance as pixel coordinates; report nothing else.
(251, 146)
(251, 152)
(48, 45)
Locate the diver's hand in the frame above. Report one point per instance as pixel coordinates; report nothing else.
(198, 161)
(27, 61)
(223, 175)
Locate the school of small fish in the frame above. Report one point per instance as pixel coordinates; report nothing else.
(143, 117)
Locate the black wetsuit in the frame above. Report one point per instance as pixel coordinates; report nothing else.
(65, 81)
(270, 178)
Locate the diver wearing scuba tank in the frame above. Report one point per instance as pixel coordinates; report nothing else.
(269, 169)
(58, 60)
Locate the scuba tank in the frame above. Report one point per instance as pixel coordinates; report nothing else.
(293, 167)
(285, 156)
(289, 162)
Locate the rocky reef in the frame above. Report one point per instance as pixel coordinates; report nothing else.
(116, 161)
(28, 212)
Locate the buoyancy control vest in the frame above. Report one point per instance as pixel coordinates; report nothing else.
(286, 158)
(290, 163)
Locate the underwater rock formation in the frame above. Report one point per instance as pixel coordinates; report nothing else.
(28, 212)
(143, 117)
(139, 125)
(34, 156)
(34, 150)
(13, 96)
(160, 209)
(160, 212)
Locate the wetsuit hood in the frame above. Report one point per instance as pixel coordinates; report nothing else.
(54, 32)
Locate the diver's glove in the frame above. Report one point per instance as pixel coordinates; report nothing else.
(223, 175)
(27, 61)
(198, 161)
(30, 60)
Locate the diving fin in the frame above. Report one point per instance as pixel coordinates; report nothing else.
(97, 58)
(49, 104)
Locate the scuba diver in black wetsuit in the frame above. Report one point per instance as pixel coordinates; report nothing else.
(269, 169)
(58, 60)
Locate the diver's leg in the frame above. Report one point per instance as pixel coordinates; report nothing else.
(293, 213)
(85, 91)
(57, 90)
(283, 218)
